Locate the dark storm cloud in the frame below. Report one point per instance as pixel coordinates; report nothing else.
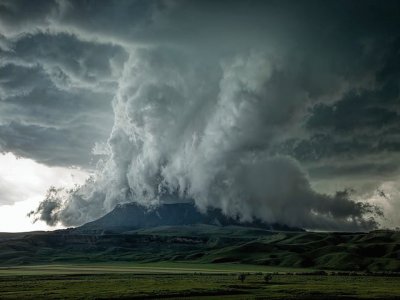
(372, 108)
(56, 94)
(356, 136)
(212, 101)
(361, 169)
(69, 146)
(18, 15)
(41, 102)
(74, 62)
(52, 126)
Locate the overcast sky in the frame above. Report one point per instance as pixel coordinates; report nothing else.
(287, 111)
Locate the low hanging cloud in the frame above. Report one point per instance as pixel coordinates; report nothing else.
(179, 131)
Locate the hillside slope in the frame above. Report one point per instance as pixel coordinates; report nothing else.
(374, 251)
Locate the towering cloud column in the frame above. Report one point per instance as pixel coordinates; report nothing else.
(196, 128)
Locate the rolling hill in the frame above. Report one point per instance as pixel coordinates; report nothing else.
(373, 251)
(178, 232)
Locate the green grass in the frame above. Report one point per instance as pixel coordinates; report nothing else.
(138, 285)
(157, 267)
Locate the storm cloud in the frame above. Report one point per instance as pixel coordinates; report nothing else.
(230, 105)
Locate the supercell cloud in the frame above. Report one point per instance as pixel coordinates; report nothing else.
(269, 110)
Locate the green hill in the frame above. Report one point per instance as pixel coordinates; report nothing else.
(373, 251)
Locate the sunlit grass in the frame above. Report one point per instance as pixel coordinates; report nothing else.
(156, 267)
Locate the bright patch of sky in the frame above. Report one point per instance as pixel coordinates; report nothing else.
(23, 184)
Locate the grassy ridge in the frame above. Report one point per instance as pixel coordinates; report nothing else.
(374, 251)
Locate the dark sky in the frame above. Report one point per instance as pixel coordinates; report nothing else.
(283, 110)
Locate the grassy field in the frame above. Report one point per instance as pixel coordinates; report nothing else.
(199, 262)
(177, 280)
(157, 267)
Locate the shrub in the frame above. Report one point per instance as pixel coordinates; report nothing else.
(241, 277)
(267, 278)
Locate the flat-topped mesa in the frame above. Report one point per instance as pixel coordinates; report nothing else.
(132, 216)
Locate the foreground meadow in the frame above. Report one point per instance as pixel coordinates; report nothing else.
(181, 281)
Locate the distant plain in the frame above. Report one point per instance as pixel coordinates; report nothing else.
(181, 280)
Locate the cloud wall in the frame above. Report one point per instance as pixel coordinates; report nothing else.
(188, 129)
